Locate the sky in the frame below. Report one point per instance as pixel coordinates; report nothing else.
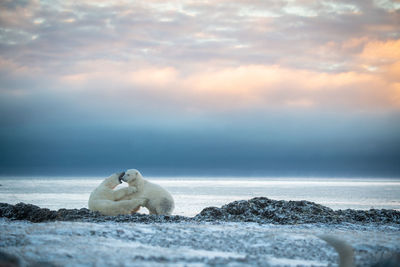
(275, 88)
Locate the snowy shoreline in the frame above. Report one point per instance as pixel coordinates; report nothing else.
(191, 244)
(257, 232)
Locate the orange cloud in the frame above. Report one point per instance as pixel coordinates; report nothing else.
(154, 77)
(217, 87)
(266, 86)
(250, 86)
(379, 52)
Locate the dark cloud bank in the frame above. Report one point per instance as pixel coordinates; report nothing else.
(278, 145)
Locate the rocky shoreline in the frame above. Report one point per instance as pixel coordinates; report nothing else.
(259, 210)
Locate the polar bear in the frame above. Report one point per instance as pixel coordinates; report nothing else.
(109, 202)
(160, 200)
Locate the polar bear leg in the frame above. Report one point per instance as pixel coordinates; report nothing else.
(136, 203)
(166, 207)
(152, 211)
(123, 192)
(163, 206)
(113, 208)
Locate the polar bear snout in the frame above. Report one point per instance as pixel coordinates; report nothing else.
(120, 177)
(130, 176)
(125, 177)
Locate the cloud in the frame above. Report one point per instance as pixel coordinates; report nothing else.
(202, 57)
(240, 88)
(259, 84)
(176, 34)
(381, 53)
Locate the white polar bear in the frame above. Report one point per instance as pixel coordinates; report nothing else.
(160, 200)
(108, 202)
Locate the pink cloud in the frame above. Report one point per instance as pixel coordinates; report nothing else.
(381, 52)
(243, 87)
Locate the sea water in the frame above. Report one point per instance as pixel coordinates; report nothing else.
(192, 194)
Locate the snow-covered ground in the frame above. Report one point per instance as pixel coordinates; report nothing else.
(192, 244)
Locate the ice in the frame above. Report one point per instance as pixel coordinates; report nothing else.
(295, 262)
(192, 244)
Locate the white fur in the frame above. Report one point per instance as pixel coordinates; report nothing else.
(109, 202)
(160, 200)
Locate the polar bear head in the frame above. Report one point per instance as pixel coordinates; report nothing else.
(132, 176)
(114, 180)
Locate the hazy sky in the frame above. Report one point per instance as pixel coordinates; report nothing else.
(200, 87)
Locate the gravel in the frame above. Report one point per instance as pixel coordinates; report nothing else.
(259, 210)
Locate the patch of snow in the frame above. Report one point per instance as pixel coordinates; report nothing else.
(294, 262)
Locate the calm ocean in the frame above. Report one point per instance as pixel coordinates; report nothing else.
(192, 194)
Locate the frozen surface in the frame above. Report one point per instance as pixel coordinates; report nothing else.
(193, 194)
(191, 244)
(199, 244)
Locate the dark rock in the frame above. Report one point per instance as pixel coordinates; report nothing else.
(261, 210)
(22, 211)
(9, 260)
(211, 212)
(264, 210)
